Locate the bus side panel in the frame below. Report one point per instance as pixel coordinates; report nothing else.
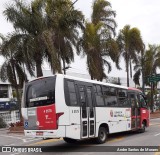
(118, 119)
(60, 103)
(73, 131)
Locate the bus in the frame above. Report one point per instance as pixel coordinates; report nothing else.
(73, 108)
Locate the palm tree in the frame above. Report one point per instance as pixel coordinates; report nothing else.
(96, 50)
(139, 68)
(91, 47)
(97, 42)
(62, 34)
(102, 12)
(130, 43)
(152, 59)
(148, 63)
(29, 21)
(13, 67)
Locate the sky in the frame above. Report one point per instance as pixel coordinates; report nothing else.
(143, 14)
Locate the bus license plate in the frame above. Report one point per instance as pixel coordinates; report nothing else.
(39, 133)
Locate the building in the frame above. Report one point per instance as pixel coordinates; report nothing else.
(8, 105)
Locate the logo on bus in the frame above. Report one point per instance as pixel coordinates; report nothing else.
(128, 113)
(111, 113)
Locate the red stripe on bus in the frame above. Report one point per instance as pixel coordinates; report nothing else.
(130, 88)
(46, 116)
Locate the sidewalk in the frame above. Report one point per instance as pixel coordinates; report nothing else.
(155, 114)
(4, 129)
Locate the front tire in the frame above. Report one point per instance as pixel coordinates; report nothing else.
(69, 140)
(143, 128)
(102, 135)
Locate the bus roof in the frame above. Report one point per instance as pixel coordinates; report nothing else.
(130, 88)
(92, 81)
(88, 80)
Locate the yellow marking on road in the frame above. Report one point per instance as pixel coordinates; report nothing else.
(115, 140)
(157, 153)
(45, 141)
(153, 124)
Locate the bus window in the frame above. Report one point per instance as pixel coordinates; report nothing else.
(142, 101)
(82, 95)
(83, 101)
(40, 92)
(72, 93)
(99, 90)
(99, 97)
(132, 100)
(110, 96)
(123, 98)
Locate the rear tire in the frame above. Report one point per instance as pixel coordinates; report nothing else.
(102, 135)
(69, 140)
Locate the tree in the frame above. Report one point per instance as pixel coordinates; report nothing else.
(152, 59)
(97, 42)
(139, 68)
(130, 43)
(61, 35)
(147, 64)
(13, 67)
(29, 21)
(102, 12)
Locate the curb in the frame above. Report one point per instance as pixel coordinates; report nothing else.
(20, 132)
(154, 117)
(4, 129)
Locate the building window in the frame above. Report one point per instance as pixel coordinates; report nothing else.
(3, 91)
(17, 116)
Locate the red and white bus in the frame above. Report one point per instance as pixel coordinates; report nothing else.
(75, 109)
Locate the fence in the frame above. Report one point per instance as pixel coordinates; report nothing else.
(10, 116)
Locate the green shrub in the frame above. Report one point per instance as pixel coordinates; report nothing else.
(2, 123)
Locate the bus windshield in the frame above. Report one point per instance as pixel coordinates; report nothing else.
(40, 92)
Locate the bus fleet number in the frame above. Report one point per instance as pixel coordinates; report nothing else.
(75, 111)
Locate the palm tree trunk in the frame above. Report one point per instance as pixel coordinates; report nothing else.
(64, 66)
(143, 84)
(38, 69)
(17, 92)
(127, 67)
(130, 69)
(142, 71)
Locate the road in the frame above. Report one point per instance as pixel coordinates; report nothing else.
(150, 138)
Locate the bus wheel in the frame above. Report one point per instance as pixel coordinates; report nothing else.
(143, 128)
(102, 135)
(69, 140)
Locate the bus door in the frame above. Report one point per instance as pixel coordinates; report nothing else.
(87, 111)
(135, 111)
